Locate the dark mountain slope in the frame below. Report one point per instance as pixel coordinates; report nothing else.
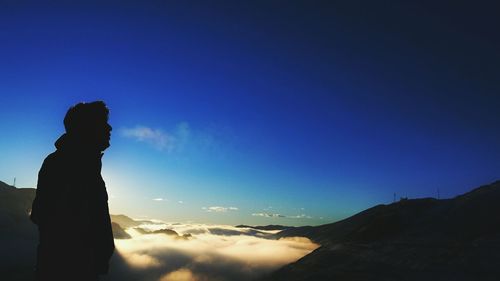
(119, 232)
(18, 235)
(15, 205)
(124, 221)
(4, 186)
(421, 239)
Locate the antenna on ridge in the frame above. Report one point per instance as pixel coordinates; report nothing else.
(14, 185)
(394, 200)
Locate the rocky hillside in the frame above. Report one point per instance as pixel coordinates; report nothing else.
(18, 235)
(15, 205)
(420, 239)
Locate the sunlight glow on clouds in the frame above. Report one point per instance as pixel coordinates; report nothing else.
(182, 274)
(229, 254)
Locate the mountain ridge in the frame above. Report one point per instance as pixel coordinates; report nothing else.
(415, 239)
(265, 227)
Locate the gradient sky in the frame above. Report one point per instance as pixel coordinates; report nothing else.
(283, 112)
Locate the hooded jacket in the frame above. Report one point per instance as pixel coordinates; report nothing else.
(71, 212)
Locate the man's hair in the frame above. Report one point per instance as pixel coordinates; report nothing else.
(83, 116)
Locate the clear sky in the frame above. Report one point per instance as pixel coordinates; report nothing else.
(258, 112)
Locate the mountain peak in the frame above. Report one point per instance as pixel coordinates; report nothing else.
(4, 186)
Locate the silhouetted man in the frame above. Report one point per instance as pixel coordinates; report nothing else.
(71, 204)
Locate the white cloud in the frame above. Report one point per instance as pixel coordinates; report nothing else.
(275, 215)
(179, 139)
(301, 216)
(180, 202)
(175, 140)
(158, 199)
(268, 215)
(155, 137)
(219, 209)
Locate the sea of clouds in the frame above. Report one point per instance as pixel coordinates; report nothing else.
(212, 253)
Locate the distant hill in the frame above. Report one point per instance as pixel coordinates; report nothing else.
(4, 186)
(119, 222)
(124, 221)
(166, 231)
(15, 206)
(420, 239)
(18, 235)
(118, 232)
(265, 227)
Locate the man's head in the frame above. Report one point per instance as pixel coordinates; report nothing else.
(88, 123)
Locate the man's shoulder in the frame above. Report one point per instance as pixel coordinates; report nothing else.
(55, 159)
(52, 158)
(67, 162)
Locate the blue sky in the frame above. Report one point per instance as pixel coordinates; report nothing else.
(279, 112)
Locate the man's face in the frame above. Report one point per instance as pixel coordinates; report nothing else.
(103, 135)
(106, 136)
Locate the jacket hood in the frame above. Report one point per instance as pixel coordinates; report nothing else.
(68, 142)
(61, 141)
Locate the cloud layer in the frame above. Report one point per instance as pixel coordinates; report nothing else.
(214, 252)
